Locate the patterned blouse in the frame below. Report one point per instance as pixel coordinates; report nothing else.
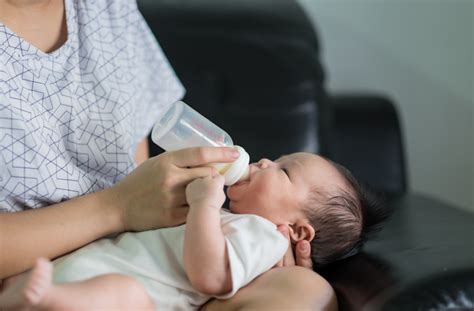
(70, 120)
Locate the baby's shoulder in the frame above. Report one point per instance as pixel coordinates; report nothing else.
(231, 223)
(227, 217)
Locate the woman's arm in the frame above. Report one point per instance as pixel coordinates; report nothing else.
(55, 230)
(152, 196)
(288, 288)
(34, 233)
(77, 221)
(205, 255)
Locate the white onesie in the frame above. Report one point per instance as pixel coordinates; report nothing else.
(155, 258)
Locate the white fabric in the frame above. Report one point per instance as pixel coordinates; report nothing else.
(155, 258)
(70, 120)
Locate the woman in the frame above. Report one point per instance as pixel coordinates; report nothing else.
(81, 84)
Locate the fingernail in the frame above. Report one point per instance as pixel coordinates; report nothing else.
(304, 246)
(235, 153)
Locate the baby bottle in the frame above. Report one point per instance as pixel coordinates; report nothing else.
(180, 126)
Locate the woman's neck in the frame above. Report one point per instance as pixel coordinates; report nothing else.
(25, 3)
(40, 22)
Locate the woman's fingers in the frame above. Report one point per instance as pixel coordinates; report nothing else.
(192, 162)
(188, 175)
(199, 156)
(151, 196)
(179, 199)
(181, 177)
(303, 254)
(177, 215)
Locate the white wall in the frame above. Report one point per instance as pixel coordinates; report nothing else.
(419, 53)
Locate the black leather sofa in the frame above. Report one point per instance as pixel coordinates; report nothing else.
(253, 67)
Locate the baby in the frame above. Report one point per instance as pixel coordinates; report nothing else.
(216, 252)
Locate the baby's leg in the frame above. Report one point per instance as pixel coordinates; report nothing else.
(110, 291)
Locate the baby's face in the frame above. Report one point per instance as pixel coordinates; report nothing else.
(276, 189)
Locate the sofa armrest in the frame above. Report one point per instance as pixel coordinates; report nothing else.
(365, 137)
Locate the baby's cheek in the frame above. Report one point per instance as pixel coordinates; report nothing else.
(267, 187)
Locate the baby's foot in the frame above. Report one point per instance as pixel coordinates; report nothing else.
(31, 290)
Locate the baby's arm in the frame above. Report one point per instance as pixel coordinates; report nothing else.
(205, 255)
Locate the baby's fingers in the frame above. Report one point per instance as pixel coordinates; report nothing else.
(219, 179)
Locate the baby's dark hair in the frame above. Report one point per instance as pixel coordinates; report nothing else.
(343, 221)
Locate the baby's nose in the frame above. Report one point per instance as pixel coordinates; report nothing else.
(264, 163)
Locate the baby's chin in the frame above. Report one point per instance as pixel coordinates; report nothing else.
(231, 206)
(234, 208)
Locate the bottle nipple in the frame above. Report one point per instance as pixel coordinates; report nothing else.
(246, 175)
(239, 169)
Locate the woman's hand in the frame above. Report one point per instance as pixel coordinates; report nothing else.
(302, 252)
(153, 195)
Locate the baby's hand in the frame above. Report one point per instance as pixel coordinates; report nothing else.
(207, 191)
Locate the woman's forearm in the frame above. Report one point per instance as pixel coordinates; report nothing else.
(288, 288)
(205, 255)
(150, 197)
(55, 230)
(58, 229)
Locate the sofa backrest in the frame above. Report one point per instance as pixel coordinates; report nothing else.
(253, 68)
(250, 66)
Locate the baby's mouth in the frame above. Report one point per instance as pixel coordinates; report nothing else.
(246, 180)
(240, 183)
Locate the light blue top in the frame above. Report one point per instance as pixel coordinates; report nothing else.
(70, 120)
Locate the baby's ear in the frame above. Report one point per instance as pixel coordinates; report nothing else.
(301, 230)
